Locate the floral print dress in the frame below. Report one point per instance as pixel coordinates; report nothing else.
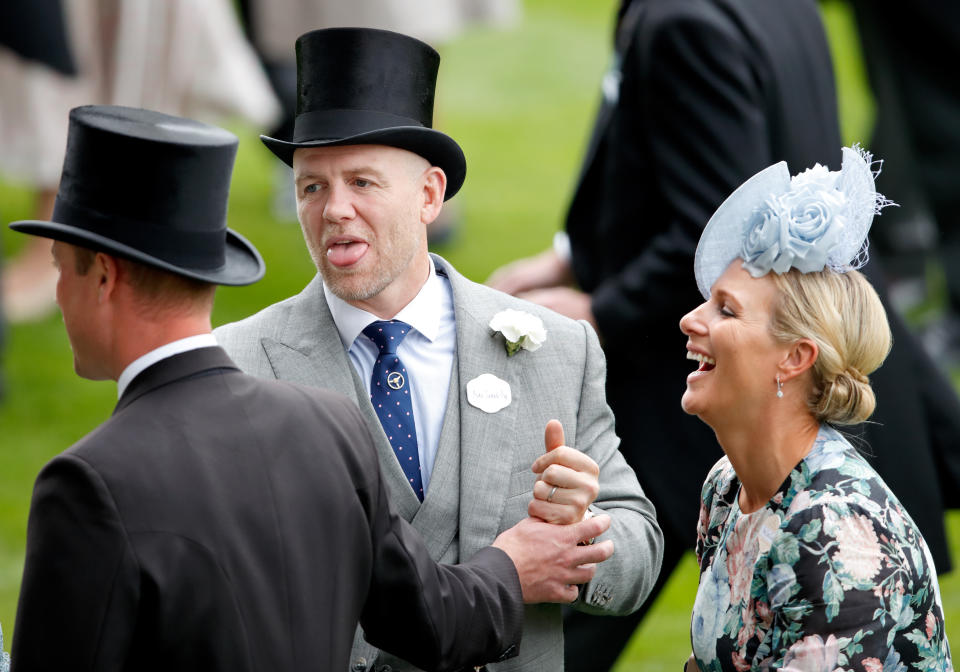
(4, 657)
(832, 574)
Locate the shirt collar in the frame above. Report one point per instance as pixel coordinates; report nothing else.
(138, 365)
(421, 313)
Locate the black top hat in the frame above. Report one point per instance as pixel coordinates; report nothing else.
(362, 86)
(152, 188)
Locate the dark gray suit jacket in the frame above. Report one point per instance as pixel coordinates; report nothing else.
(220, 522)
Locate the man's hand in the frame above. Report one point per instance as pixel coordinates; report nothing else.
(568, 480)
(546, 269)
(548, 559)
(565, 300)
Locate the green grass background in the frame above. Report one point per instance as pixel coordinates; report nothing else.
(520, 102)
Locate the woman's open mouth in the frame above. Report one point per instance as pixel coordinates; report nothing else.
(706, 363)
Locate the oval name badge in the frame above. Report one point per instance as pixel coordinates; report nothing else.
(489, 393)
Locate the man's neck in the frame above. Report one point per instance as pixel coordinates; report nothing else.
(146, 336)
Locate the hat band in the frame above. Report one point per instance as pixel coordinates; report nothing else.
(179, 247)
(344, 123)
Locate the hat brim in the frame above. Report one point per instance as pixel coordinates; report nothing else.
(243, 264)
(438, 148)
(722, 239)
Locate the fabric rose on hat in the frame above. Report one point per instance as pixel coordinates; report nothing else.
(797, 229)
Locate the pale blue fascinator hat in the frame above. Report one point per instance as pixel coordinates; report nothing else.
(817, 219)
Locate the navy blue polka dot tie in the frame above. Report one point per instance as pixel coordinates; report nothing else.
(390, 396)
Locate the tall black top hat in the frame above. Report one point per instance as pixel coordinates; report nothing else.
(361, 86)
(152, 188)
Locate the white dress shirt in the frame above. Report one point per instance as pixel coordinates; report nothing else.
(164, 351)
(427, 352)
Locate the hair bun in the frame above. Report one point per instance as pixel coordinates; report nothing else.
(846, 400)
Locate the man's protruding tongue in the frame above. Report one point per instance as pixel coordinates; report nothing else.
(346, 253)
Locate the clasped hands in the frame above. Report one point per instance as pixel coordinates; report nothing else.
(552, 549)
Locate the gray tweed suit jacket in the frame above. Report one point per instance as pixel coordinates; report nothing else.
(481, 483)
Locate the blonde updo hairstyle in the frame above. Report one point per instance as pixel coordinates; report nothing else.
(842, 314)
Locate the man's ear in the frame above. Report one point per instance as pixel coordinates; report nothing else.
(434, 189)
(799, 358)
(106, 270)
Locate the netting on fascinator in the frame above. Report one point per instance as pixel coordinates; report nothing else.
(857, 176)
(817, 219)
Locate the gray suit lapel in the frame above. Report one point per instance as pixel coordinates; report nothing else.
(486, 443)
(308, 349)
(309, 352)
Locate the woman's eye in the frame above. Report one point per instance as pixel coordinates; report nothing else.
(360, 182)
(726, 312)
(311, 188)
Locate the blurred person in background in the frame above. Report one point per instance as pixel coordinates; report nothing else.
(918, 131)
(700, 96)
(33, 38)
(183, 57)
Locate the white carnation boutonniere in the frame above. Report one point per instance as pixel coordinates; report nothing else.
(519, 329)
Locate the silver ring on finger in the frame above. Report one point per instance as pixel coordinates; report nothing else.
(552, 493)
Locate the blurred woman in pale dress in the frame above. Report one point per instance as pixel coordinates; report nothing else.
(183, 57)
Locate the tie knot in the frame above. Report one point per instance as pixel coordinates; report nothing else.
(387, 334)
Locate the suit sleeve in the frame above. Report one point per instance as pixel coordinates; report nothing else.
(438, 617)
(79, 592)
(707, 131)
(624, 581)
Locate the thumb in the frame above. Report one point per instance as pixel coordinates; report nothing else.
(553, 435)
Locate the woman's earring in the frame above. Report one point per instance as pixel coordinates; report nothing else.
(779, 387)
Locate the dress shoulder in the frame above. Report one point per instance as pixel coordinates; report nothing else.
(719, 481)
(719, 489)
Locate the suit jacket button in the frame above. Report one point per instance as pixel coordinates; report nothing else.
(360, 665)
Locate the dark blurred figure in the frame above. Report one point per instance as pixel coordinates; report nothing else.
(35, 30)
(909, 54)
(703, 94)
